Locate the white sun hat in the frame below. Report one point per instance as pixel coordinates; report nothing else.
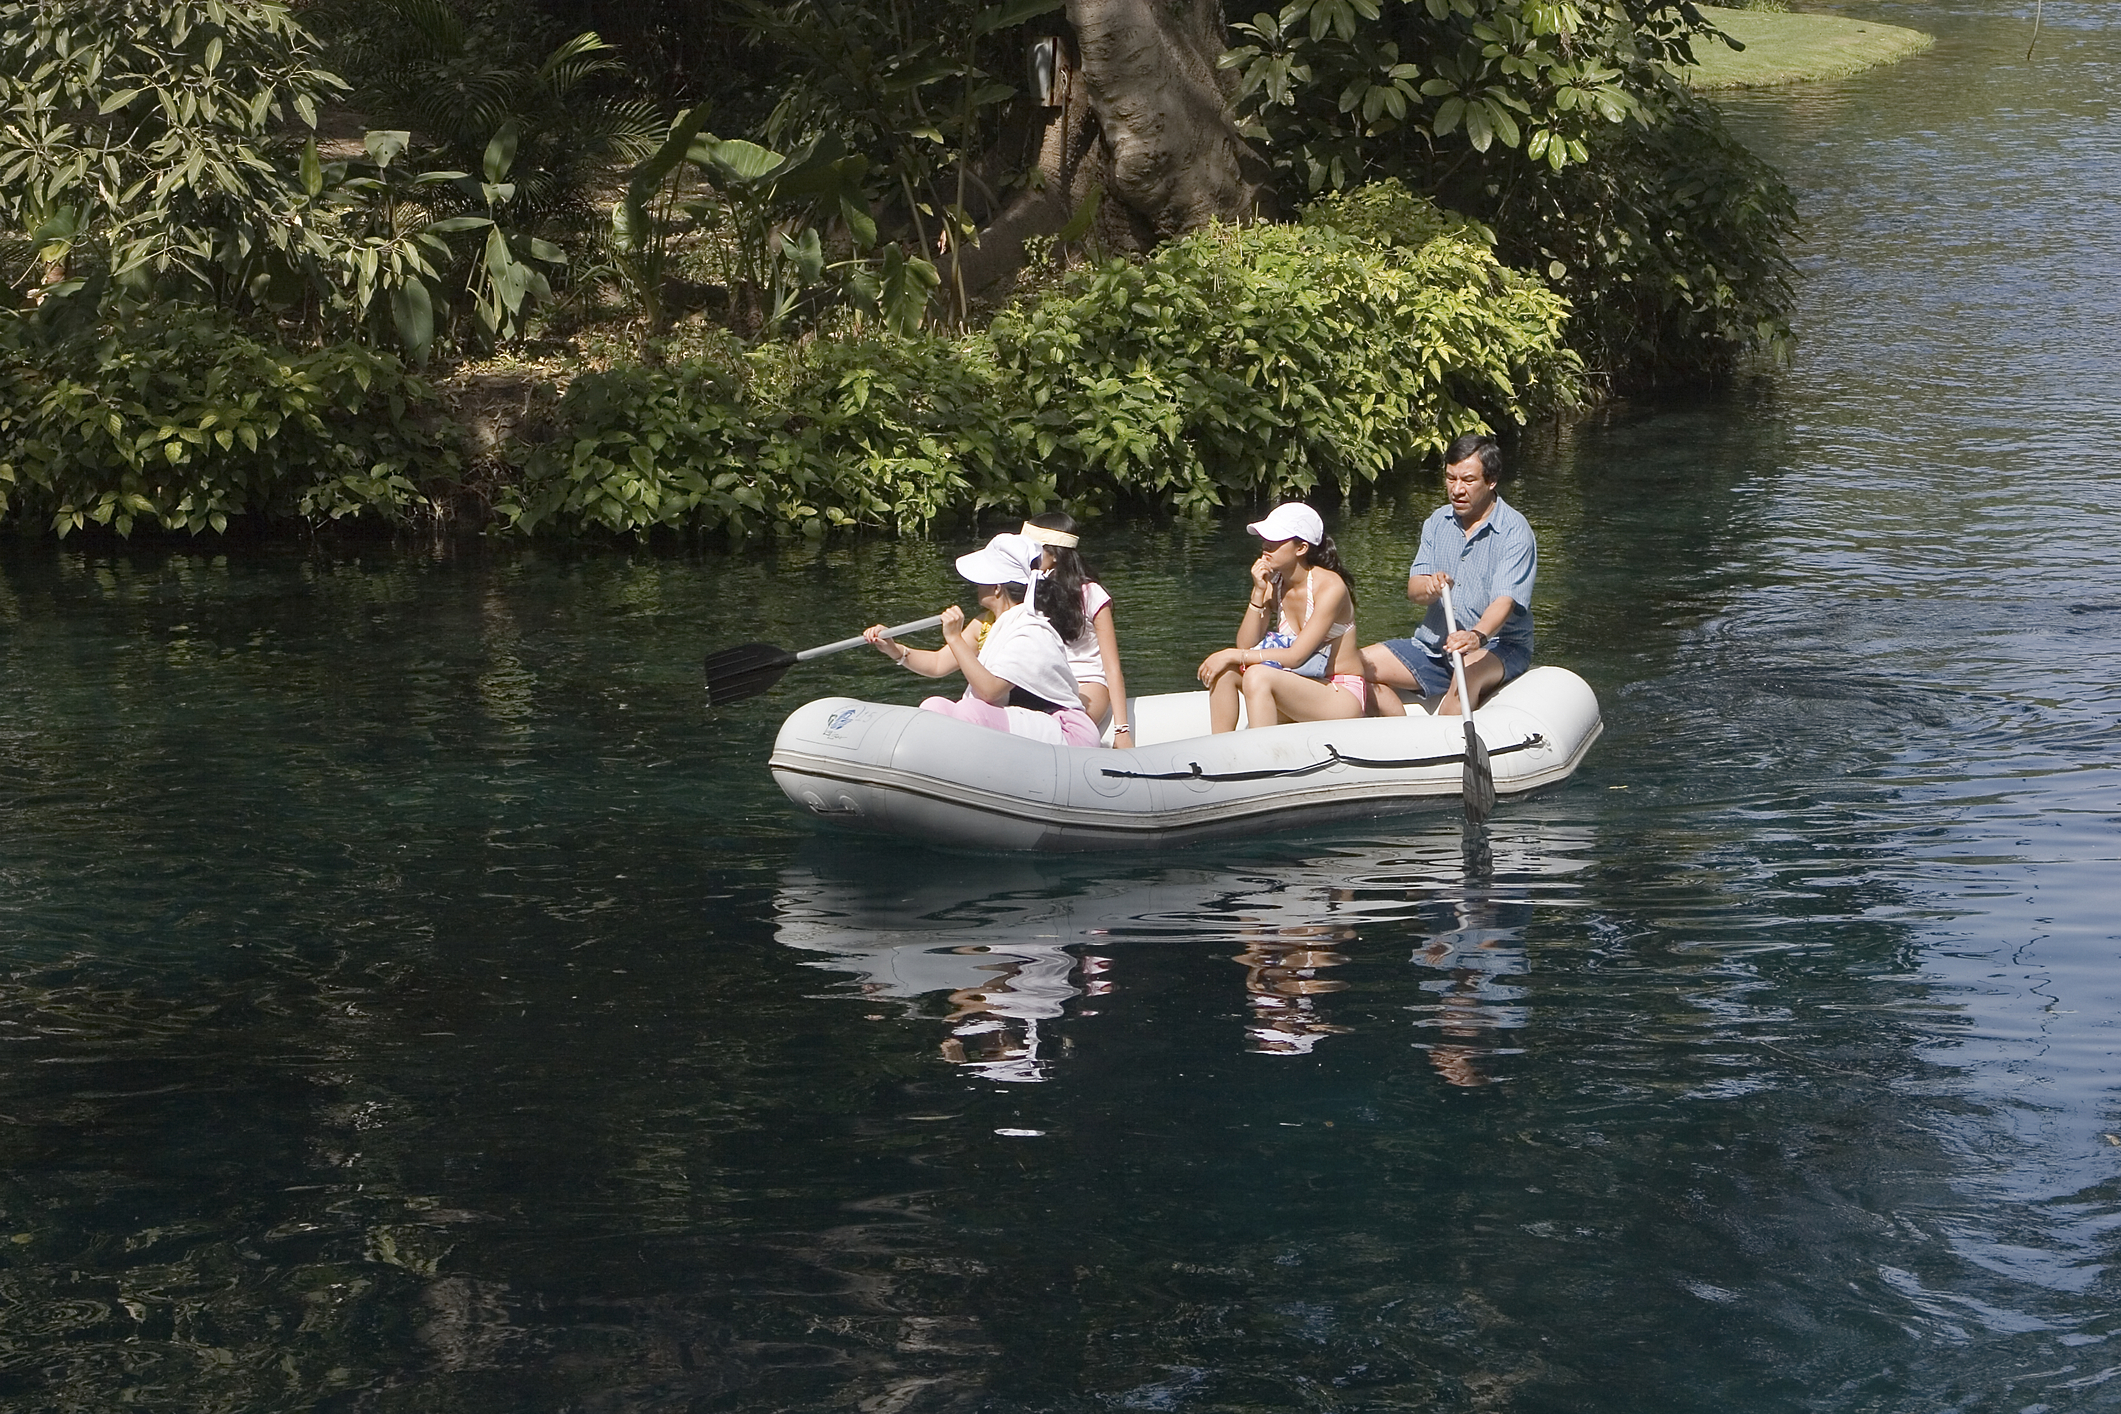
(1007, 559)
(1291, 520)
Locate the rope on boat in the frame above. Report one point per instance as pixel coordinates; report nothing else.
(1335, 758)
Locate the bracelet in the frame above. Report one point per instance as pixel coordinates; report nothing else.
(903, 650)
(1128, 730)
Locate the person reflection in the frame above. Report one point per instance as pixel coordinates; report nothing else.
(995, 1025)
(1282, 984)
(1473, 1005)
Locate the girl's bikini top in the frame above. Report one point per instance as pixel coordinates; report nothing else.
(1339, 630)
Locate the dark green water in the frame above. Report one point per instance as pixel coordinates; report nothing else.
(409, 1001)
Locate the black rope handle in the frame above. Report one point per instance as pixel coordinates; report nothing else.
(1334, 759)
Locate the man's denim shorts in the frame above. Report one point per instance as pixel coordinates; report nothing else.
(1433, 672)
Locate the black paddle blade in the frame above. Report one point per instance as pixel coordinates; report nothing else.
(1479, 778)
(744, 671)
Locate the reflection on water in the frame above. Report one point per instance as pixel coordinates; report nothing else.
(1473, 1003)
(1014, 947)
(1283, 981)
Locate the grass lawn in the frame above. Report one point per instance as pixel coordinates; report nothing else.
(1790, 48)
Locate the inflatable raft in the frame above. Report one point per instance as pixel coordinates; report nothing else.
(923, 776)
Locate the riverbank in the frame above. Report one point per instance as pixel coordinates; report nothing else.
(1096, 395)
(1784, 48)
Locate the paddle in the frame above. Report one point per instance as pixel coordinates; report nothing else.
(1479, 776)
(750, 668)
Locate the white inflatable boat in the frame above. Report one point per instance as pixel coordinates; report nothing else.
(923, 776)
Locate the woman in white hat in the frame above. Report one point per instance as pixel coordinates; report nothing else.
(1093, 645)
(1309, 669)
(1016, 672)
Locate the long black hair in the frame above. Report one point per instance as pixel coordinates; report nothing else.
(1325, 556)
(1060, 593)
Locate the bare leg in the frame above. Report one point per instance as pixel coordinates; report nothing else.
(1097, 702)
(1483, 676)
(1222, 701)
(1285, 697)
(1258, 686)
(1385, 672)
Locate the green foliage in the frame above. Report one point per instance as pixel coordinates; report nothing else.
(919, 93)
(459, 79)
(1559, 125)
(1340, 90)
(177, 418)
(1234, 363)
(159, 149)
(1669, 240)
(1262, 361)
(771, 211)
(877, 429)
(153, 141)
(1387, 214)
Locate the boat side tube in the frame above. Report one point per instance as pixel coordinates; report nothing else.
(918, 775)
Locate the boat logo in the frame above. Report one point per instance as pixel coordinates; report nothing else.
(840, 719)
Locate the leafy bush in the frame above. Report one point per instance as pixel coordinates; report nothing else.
(1669, 240)
(153, 141)
(1387, 214)
(1261, 361)
(1235, 362)
(1558, 123)
(878, 429)
(177, 418)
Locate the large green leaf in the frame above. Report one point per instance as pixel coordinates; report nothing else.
(384, 144)
(1012, 13)
(501, 152)
(1085, 214)
(744, 162)
(412, 310)
(861, 223)
(643, 180)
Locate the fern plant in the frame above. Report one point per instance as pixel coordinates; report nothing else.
(433, 68)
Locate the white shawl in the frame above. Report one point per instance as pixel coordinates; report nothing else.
(1024, 649)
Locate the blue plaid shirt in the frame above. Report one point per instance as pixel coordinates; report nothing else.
(1501, 558)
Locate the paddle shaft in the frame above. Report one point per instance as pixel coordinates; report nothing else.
(918, 626)
(1458, 660)
(1478, 780)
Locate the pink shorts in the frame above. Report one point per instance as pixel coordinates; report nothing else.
(1076, 728)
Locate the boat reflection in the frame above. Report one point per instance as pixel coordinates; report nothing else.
(1009, 954)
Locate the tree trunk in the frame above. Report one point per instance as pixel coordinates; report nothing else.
(1142, 115)
(1163, 108)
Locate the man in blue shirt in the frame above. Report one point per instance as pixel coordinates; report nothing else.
(1486, 552)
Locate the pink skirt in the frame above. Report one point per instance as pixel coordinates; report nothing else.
(1071, 726)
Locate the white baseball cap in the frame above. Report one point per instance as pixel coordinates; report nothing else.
(1291, 520)
(1007, 559)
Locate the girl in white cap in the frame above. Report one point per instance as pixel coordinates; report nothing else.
(1310, 669)
(1016, 672)
(1093, 652)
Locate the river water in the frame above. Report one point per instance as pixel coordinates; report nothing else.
(410, 999)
